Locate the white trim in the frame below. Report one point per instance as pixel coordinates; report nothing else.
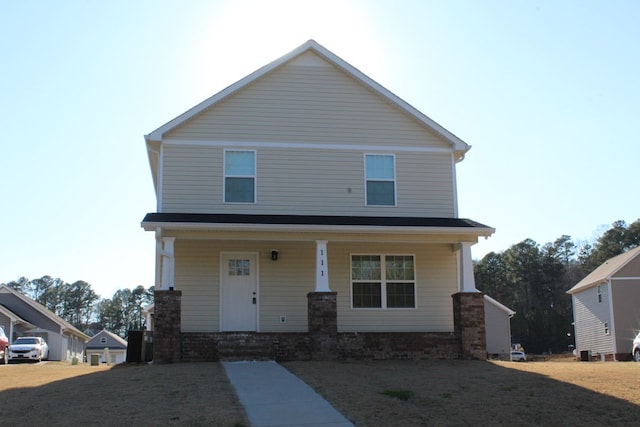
(612, 322)
(220, 306)
(224, 176)
(302, 145)
(366, 180)
(624, 278)
(322, 267)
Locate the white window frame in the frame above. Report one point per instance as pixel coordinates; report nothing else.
(383, 281)
(394, 180)
(599, 293)
(225, 176)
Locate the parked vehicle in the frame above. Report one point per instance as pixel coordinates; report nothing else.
(518, 356)
(4, 347)
(28, 348)
(636, 348)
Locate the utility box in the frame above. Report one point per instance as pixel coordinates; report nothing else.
(585, 356)
(95, 359)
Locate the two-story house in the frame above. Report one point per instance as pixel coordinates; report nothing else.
(307, 212)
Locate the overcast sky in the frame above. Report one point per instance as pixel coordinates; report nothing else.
(546, 92)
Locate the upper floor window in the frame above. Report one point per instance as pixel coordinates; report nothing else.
(239, 176)
(380, 177)
(599, 292)
(103, 340)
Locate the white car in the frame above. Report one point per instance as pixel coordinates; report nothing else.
(28, 348)
(518, 356)
(636, 348)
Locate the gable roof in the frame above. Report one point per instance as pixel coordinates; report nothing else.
(459, 146)
(605, 271)
(113, 341)
(14, 318)
(64, 325)
(499, 306)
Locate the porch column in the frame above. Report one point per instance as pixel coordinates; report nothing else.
(467, 281)
(167, 334)
(322, 268)
(469, 324)
(168, 263)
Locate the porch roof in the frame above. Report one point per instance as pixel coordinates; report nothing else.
(314, 222)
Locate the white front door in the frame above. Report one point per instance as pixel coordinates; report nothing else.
(239, 300)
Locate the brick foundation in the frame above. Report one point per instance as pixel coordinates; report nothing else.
(323, 341)
(167, 334)
(468, 319)
(215, 346)
(397, 345)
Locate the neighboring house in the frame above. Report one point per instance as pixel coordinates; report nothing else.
(308, 210)
(497, 320)
(108, 346)
(606, 311)
(22, 316)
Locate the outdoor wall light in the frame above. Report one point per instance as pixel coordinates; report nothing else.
(274, 255)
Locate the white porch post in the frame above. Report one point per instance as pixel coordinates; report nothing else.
(467, 281)
(168, 263)
(322, 268)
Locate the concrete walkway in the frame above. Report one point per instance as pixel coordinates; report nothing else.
(272, 396)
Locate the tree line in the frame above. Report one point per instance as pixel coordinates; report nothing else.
(78, 304)
(533, 280)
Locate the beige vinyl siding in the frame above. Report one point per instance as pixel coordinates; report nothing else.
(308, 104)
(436, 281)
(306, 181)
(197, 276)
(590, 318)
(283, 285)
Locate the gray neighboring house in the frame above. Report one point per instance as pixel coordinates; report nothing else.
(606, 312)
(20, 316)
(109, 347)
(497, 318)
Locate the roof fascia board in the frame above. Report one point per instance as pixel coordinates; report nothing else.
(152, 226)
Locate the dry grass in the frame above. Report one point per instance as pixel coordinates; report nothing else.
(374, 393)
(61, 394)
(456, 393)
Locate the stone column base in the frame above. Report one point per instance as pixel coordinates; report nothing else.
(469, 324)
(323, 325)
(166, 336)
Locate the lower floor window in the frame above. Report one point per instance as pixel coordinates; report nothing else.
(383, 281)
